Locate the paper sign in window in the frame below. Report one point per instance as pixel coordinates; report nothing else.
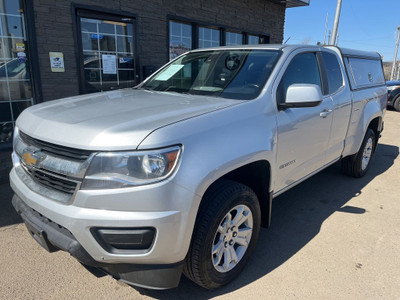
(109, 64)
(169, 72)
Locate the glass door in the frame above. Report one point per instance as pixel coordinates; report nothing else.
(15, 75)
(107, 52)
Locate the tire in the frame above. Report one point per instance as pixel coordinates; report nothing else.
(214, 231)
(357, 165)
(396, 104)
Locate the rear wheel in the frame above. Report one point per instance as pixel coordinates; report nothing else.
(225, 235)
(396, 104)
(357, 165)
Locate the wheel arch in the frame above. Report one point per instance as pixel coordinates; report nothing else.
(255, 175)
(376, 126)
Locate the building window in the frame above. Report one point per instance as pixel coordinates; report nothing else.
(108, 59)
(233, 38)
(208, 37)
(253, 39)
(15, 75)
(180, 38)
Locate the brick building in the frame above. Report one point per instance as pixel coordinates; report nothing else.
(53, 49)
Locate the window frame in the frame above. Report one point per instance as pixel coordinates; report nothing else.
(86, 11)
(193, 34)
(235, 32)
(349, 70)
(222, 29)
(32, 63)
(321, 69)
(208, 27)
(326, 73)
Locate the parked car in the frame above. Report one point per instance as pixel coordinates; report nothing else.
(394, 94)
(179, 173)
(14, 79)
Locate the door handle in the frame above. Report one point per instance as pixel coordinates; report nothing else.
(325, 113)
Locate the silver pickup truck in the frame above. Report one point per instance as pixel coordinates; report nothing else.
(178, 174)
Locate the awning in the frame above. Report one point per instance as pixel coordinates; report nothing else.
(293, 3)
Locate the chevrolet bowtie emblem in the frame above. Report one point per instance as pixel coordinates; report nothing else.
(31, 158)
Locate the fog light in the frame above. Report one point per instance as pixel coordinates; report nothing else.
(120, 240)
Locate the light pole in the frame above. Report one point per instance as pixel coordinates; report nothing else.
(395, 54)
(336, 23)
(326, 27)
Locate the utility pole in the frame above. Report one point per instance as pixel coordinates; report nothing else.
(395, 54)
(336, 23)
(326, 27)
(398, 71)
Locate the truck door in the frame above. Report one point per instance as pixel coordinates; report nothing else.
(339, 90)
(303, 132)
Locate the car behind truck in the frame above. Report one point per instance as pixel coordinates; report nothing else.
(179, 173)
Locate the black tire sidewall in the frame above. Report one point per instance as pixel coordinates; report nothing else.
(396, 104)
(358, 161)
(211, 275)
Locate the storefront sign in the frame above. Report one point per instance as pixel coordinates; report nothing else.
(96, 36)
(109, 64)
(20, 46)
(124, 60)
(21, 57)
(57, 61)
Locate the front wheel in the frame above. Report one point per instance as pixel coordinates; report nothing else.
(225, 234)
(358, 164)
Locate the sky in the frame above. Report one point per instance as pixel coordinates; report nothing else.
(369, 25)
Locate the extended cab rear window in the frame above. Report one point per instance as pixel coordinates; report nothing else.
(364, 72)
(334, 74)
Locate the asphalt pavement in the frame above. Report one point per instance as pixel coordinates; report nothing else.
(331, 237)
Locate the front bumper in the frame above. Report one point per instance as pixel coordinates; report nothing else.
(53, 237)
(166, 207)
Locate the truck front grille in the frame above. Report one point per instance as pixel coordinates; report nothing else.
(53, 170)
(51, 181)
(60, 151)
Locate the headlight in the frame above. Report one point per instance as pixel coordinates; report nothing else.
(113, 170)
(16, 144)
(393, 87)
(15, 135)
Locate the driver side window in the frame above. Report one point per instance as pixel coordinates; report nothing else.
(302, 69)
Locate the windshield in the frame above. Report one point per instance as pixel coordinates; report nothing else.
(234, 74)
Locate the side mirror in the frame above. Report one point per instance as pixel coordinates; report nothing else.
(302, 95)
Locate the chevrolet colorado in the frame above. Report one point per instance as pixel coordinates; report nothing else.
(179, 173)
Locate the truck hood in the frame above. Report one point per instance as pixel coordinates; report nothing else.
(116, 120)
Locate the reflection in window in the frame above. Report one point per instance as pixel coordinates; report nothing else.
(15, 79)
(108, 54)
(208, 37)
(302, 69)
(234, 74)
(180, 38)
(233, 38)
(366, 72)
(253, 40)
(335, 79)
